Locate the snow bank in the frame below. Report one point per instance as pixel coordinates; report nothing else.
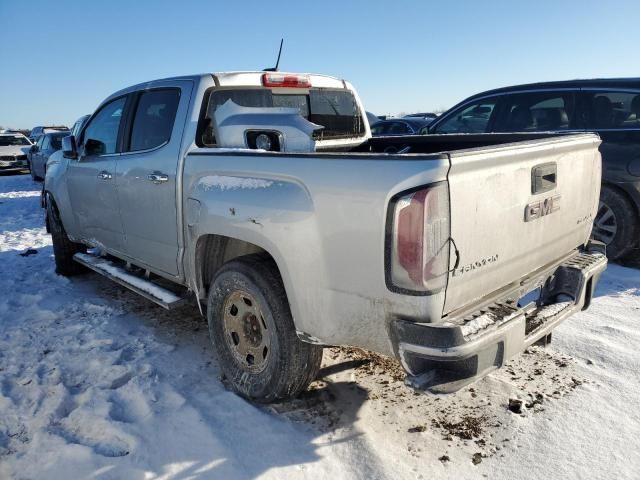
(96, 382)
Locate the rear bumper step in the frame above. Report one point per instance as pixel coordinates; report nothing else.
(148, 289)
(446, 357)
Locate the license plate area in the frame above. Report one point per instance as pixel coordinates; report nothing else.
(529, 297)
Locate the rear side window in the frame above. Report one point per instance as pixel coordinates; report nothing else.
(536, 112)
(474, 118)
(153, 119)
(335, 110)
(610, 110)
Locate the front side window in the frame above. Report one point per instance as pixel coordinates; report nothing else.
(154, 118)
(398, 128)
(474, 118)
(611, 110)
(45, 142)
(101, 135)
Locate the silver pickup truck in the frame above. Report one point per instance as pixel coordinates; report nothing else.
(451, 253)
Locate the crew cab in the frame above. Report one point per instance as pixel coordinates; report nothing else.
(264, 196)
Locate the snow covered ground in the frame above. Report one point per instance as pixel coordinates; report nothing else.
(98, 383)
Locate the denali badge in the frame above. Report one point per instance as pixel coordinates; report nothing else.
(541, 208)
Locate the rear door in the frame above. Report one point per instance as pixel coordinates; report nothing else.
(147, 174)
(516, 208)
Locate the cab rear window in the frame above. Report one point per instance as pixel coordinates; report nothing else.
(336, 110)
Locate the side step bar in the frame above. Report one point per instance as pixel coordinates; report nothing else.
(157, 294)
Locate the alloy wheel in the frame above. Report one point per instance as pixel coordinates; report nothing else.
(605, 226)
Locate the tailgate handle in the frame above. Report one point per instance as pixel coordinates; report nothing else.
(543, 177)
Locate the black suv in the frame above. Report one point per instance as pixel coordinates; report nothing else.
(609, 107)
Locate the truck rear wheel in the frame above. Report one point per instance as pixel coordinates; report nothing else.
(63, 248)
(252, 330)
(616, 223)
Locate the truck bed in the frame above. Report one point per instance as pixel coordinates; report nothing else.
(323, 217)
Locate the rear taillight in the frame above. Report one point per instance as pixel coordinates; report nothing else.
(287, 80)
(420, 231)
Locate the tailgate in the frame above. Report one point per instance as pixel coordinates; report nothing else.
(516, 208)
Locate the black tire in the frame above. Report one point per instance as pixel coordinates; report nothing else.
(63, 248)
(290, 364)
(624, 221)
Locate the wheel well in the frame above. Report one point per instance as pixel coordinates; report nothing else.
(213, 251)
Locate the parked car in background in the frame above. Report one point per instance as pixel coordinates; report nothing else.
(77, 126)
(609, 107)
(37, 131)
(398, 126)
(56, 156)
(13, 152)
(424, 116)
(39, 153)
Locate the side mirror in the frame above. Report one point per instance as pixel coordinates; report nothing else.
(94, 147)
(69, 149)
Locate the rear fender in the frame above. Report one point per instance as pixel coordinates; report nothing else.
(275, 215)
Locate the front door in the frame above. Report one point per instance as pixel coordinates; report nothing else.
(147, 174)
(92, 185)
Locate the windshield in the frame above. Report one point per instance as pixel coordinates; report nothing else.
(10, 141)
(336, 110)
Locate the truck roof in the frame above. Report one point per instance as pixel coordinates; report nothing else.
(248, 78)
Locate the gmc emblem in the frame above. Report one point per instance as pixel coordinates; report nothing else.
(541, 208)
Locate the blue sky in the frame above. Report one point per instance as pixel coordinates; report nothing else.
(60, 59)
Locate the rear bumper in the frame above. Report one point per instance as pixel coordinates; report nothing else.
(445, 357)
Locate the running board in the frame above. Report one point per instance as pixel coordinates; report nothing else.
(149, 290)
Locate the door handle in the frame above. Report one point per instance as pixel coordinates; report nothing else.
(104, 175)
(157, 177)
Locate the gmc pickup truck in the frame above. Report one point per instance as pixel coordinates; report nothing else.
(264, 196)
